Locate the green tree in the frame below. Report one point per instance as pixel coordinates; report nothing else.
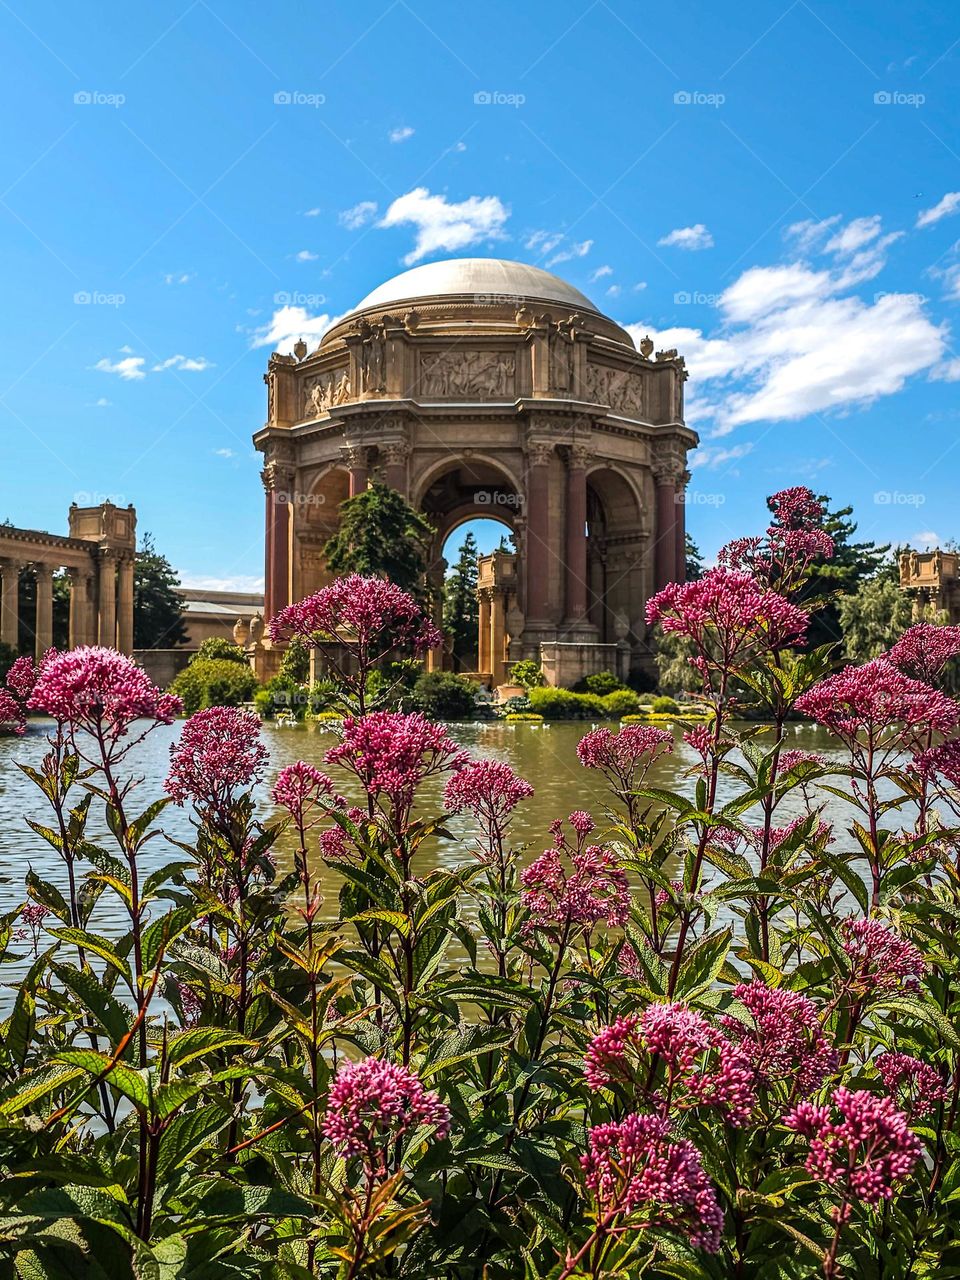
(852, 563)
(694, 560)
(460, 608)
(157, 604)
(220, 647)
(873, 617)
(380, 533)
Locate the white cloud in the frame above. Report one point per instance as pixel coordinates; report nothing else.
(242, 582)
(716, 456)
(572, 251)
(224, 453)
(794, 340)
(600, 273)
(459, 146)
(401, 134)
(186, 364)
(287, 325)
(639, 286)
(312, 213)
(692, 238)
(102, 403)
(177, 277)
(857, 233)
(806, 234)
(130, 368)
(359, 215)
(445, 225)
(306, 256)
(942, 209)
(613, 291)
(543, 241)
(927, 539)
(949, 371)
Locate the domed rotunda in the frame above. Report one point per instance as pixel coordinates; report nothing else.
(479, 387)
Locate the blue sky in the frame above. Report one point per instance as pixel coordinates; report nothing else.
(771, 187)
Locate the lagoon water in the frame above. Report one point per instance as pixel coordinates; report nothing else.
(546, 757)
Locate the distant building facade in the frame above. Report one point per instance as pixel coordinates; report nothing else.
(933, 580)
(98, 555)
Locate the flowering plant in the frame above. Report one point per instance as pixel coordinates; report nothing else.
(705, 1033)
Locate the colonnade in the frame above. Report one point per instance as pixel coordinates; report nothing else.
(101, 601)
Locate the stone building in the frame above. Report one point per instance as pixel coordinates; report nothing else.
(98, 555)
(481, 387)
(933, 580)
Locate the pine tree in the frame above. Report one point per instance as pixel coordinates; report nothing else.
(157, 604)
(694, 560)
(380, 533)
(460, 609)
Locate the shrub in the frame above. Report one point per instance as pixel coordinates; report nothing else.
(600, 683)
(295, 663)
(528, 673)
(221, 649)
(564, 704)
(621, 702)
(443, 695)
(516, 705)
(214, 682)
(664, 705)
(523, 717)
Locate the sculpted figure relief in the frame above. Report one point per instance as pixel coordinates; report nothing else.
(467, 373)
(616, 387)
(562, 347)
(329, 389)
(373, 357)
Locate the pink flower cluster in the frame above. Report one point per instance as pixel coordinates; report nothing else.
(796, 508)
(786, 1042)
(728, 616)
(924, 650)
(219, 754)
(298, 789)
(368, 615)
(489, 789)
(871, 700)
(392, 754)
(864, 1153)
(634, 1168)
(21, 678)
(921, 1085)
(794, 540)
(11, 714)
(625, 757)
(701, 1062)
(880, 959)
(595, 888)
(372, 1103)
(99, 691)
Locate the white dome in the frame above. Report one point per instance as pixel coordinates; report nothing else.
(481, 278)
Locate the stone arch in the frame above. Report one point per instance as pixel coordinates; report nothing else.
(616, 538)
(315, 520)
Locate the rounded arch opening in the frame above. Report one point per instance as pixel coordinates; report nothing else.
(614, 551)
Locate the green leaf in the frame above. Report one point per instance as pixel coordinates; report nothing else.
(102, 947)
(196, 1042)
(702, 965)
(158, 936)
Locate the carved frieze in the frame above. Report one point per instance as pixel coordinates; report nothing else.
(324, 390)
(457, 372)
(621, 389)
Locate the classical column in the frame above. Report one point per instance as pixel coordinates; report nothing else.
(680, 526)
(44, 625)
(9, 602)
(277, 482)
(537, 603)
(498, 633)
(355, 460)
(395, 454)
(483, 633)
(576, 537)
(82, 618)
(125, 606)
(107, 600)
(665, 536)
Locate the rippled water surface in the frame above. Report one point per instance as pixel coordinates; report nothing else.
(546, 757)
